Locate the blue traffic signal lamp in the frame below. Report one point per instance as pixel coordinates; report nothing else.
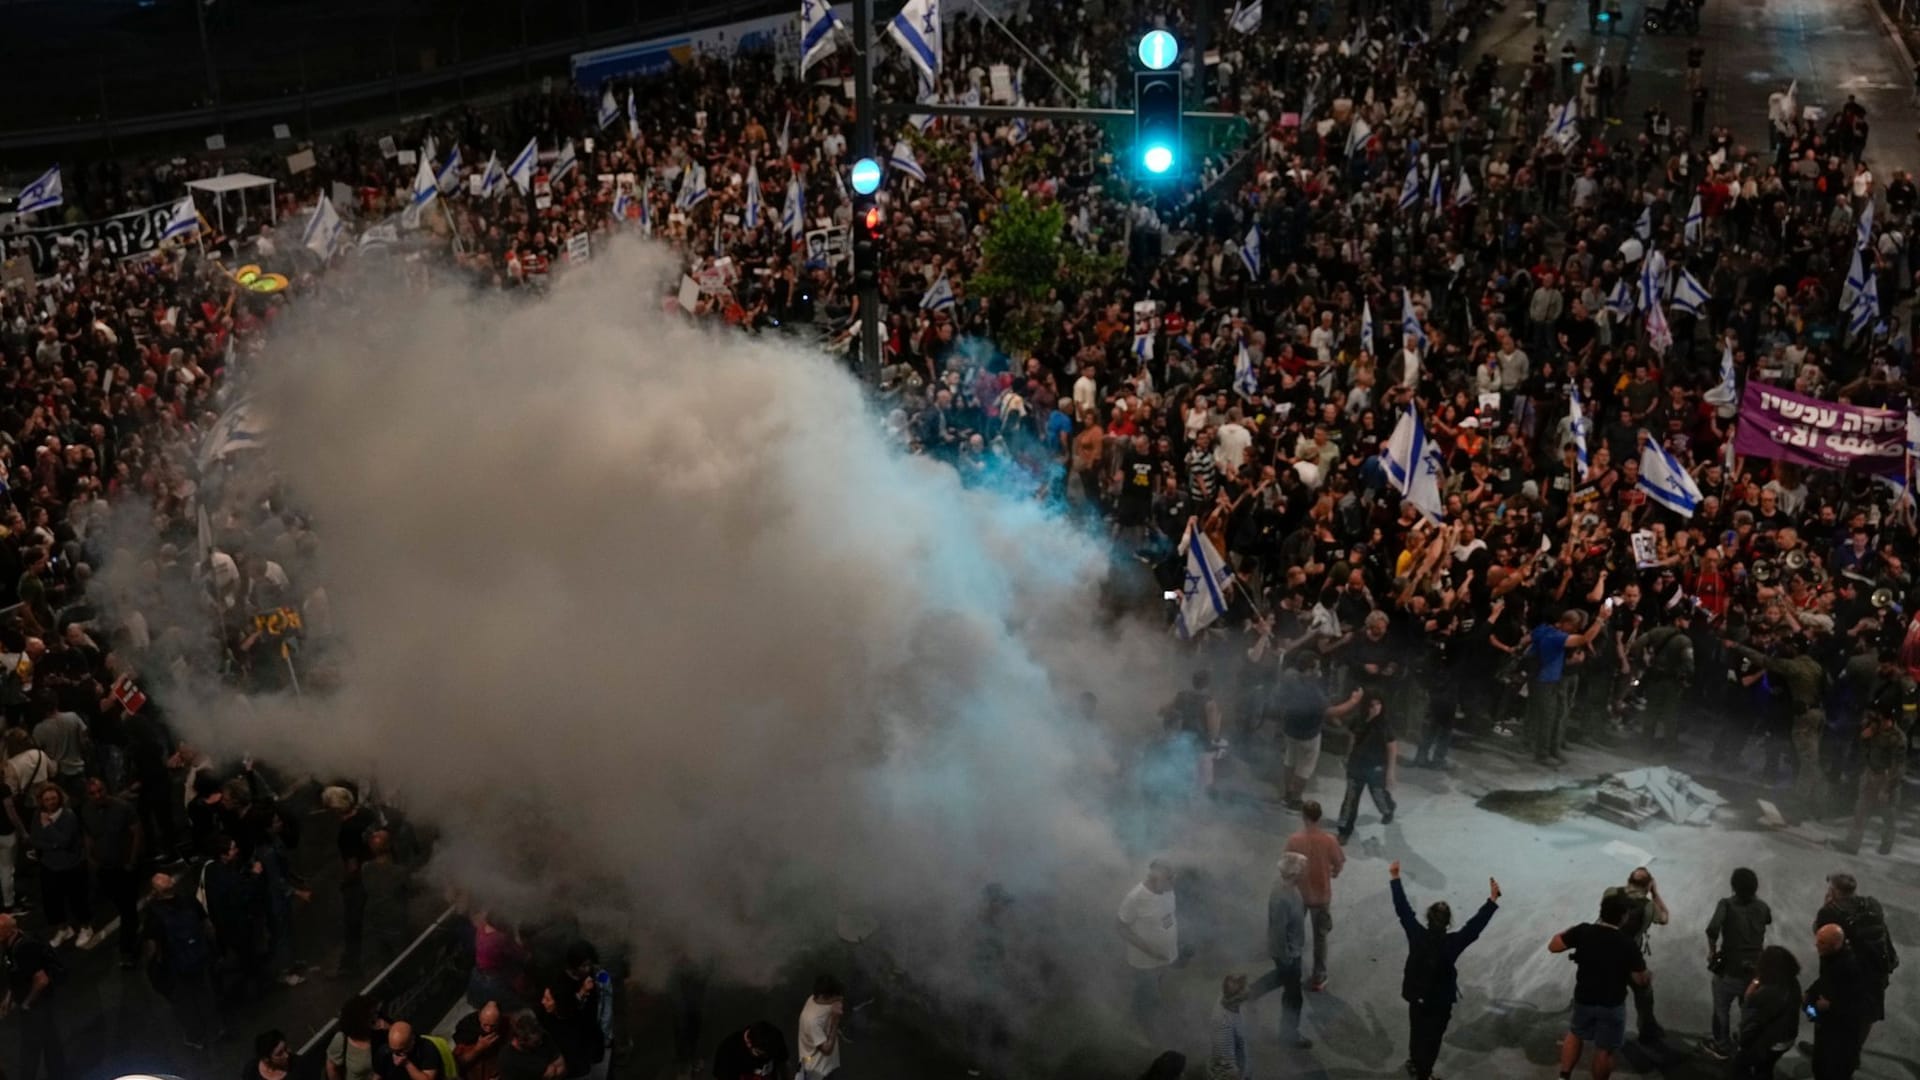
(1157, 104)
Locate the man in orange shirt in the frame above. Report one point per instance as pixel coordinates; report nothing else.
(1324, 860)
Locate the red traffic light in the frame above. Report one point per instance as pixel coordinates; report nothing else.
(873, 219)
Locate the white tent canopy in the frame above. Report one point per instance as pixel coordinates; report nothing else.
(235, 184)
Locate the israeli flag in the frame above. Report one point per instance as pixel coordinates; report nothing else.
(609, 109)
(1410, 188)
(563, 162)
(323, 228)
(521, 171)
(1410, 321)
(449, 179)
(1246, 380)
(752, 215)
(1620, 301)
(185, 220)
(917, 30)
(1143, 345)
(621, 203)
(1246, 16)
(1564, 130)
(494, 179)
(902, 158)
(1577, 413)
(1436, 197)
(1203, 596)
(1250, 251)
(793, 216)
(1863, 231)
(1690, 229)
(1665, 482)
(1366, 326)
(1463, 189)
(1689, 295)
(938, 297)
(1019, 133)
(693, 187)
(1659, 334)
(1867, 309)
(1413, 463)
(425, 190)
(1643, 228)
(42, 194)
(1653, 280)
(1357, 135)
(786, 126)
(1728, 391)
(633, 118)
(1856, 281)
(979, 167)
(817, 26)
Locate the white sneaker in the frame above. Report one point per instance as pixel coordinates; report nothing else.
(85, 940)
(61, 938)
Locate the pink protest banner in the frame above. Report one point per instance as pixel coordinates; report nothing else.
(1780, 424)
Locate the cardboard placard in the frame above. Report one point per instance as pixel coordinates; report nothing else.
(1000, 84)
(689, 293)
(830, 245)
(282, 131)
(407, 157)
(1645, 553)
(579, 248)
(216, 142)
(474, 183)
(387, 147)
(300, 162)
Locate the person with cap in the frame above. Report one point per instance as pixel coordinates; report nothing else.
(1430, 982)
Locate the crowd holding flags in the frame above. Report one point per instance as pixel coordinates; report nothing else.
(793, 215)
(917, 30)
(1665, 482)
(493, 179)
(1580, 425)
(1250, 251)
(818, 24)
(448, 178)
(184, 222)
(426, 188)
(902, 159)
(1203, 595)
(609, 109)
(938, 297)
(521, 170)
(1246, 378)
(1413, 463)
(44, 193)
(752, 214)
(323, 228)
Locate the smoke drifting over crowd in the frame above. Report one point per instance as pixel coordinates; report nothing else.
(656, 628)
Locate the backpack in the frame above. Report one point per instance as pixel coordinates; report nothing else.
(1865, 925)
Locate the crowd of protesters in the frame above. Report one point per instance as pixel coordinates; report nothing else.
(1765, 633)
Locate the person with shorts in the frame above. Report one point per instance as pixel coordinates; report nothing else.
(1608, 962)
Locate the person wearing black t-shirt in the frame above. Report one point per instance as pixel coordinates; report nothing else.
(1607, 961)
(755, 1052)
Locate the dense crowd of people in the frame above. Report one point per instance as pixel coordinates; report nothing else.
(1406, 230)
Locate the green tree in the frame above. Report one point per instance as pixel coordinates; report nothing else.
(1025, 255)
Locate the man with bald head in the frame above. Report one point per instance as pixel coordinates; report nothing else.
(1839, 1002)
(407, 1057)
(476, 1042)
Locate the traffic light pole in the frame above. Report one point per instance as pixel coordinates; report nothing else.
(868, 293)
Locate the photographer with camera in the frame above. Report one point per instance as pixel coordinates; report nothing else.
(1735, 937)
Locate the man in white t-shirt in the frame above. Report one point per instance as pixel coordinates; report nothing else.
(1149, 927)
(1231, 442)
(820, 1029)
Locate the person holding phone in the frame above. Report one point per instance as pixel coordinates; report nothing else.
(1769, 1015)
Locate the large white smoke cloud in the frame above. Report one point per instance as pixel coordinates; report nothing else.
(655, 627)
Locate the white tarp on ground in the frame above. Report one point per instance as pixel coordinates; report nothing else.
(1641, 795)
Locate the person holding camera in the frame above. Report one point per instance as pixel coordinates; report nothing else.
(1736, 936)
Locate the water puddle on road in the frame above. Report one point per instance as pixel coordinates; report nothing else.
(1537, 806)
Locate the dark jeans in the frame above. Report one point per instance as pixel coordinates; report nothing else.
(353, 921)
(1285, 976)
(64, 892)
(1756, 1063)
(1427, 1025)
(40, 1041)
(191, 997)
(1836, 1049)
(121, 888)
(1373, 781)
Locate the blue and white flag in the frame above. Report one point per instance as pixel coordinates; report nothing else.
(521, 171)
(621, 203)
(1410, 188)
(1410, 322)
(42, 194)
(1366, 327)
(1564, 129)
(817, 37)
(323, 228)
(1413, 463)
(449, 178)
(633, 118)
(1653, 280)
(1463, 188)
(752, 214)
(786, 128)
(646, 207)
(1689, 295)
(1863, 231)
(917, 30)
(693, 187)
(1203, 596)
(1357, 135)
(1143, 344)
(979, 167)
(902, 159)
(1867, 309)
(1018, 134)
(1665, 482)
(1856, 281)
(1728, 390)
(1580, 425)
(1246, 16)
(1659, 334)
(563, 162)
(1643, 228)
(938, 297)
(1693, 226)
(1436, 196)
(425, 190)
(185, 220)
(1620, 301)
(1250, 251)
(1246, 378)
(793, 215)
(609, 109)
(494, 179)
